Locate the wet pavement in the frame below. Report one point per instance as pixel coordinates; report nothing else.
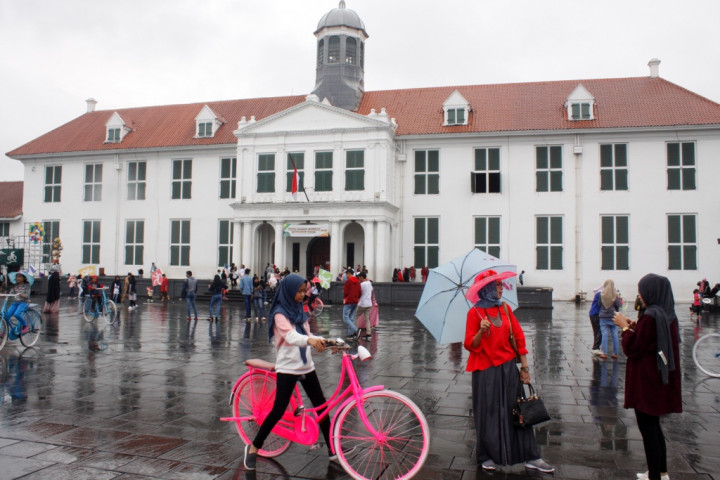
(142, 398)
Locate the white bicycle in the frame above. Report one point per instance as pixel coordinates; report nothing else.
(706, 354)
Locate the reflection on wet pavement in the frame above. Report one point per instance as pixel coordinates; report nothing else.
(142, 398)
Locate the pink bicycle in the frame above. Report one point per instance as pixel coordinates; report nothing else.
(376, 433)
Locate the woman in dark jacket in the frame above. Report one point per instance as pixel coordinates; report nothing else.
(216, 289)
(53, 293)
(652, 375)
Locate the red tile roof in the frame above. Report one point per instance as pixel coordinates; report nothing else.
(11, 199)
(620, 103)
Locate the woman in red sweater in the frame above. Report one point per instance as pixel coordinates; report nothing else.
(495, 377)
(652, 375)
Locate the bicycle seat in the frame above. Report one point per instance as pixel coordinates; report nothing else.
(261, 364)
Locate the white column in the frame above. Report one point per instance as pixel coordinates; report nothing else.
(369, 250)
(279, 259)
(246, 256)
(237, 242)
(383, 269)
(335, 242)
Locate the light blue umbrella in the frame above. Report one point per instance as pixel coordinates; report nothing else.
(443, 307)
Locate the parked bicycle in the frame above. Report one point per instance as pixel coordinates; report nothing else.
(376, 433)
(95, 307)
(706, 354)
(11, 328)
(314, 309)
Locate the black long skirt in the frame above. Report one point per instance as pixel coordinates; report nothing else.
(494, 390)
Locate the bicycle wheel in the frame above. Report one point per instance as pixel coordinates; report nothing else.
(398, 450)
(706, 353)
(254, 398)
(317, 307)
(4, 329)
(34, 321)
(109, 312)
(89, 311)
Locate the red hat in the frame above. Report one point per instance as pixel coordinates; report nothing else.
(483, 279)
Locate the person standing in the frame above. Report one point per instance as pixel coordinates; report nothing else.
(290, 331)
(351, 297)
(364, 304)
(52, 300)
(216, 292)
(72, 285)
(609, 304)
(132, 291)
(595, 323)
(257, 298)
(652, 374)
(246, 288)
(164, 289)
(495, 377)
(116, 288)
(189, 293)
(521, 278)
(424, 272)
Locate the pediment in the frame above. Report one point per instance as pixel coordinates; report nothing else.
(310, 116)
(115, 121)
(455, 100)
(579, 94)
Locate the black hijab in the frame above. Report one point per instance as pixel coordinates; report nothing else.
(656, 292)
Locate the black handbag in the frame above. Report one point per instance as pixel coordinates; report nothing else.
(529, 410)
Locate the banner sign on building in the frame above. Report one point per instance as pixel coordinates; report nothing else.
(12, 257)
(306, 230)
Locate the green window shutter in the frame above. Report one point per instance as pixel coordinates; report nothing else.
(688, 229)
(556, 258)
(606, 179)
(621, 155)
(608, 258)
(690, 257)
(674, 257)
(451, 116)
(688, 154)
(419, 230)
(433, 161)
(433, 184)
(623, 258)
(674, 229)
(556, 230)
(542, 258)
(621, 182)
(542, 230)
(494, 158)
(433, 230)
(608, 230)
(556, 157)
(480, 159)
(575, 111)
(556, 181)
(606, 155)
(420, 184)
(420, 166)
(541, 180)
(461, 115)
(688, 178)
(494, 230)
(622, 234)
(419, 256)
(433, 257)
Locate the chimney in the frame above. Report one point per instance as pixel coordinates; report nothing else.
(654, 65)
(91, 102)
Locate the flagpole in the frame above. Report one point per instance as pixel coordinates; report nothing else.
(295, 168)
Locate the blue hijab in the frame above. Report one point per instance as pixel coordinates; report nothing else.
(488, 297)
(284, 302)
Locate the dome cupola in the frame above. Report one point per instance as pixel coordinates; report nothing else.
(340, 68)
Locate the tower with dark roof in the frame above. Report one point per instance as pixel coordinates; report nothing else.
(340, 67)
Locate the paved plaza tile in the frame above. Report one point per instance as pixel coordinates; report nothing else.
(142, 398)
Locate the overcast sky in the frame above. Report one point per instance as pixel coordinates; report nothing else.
(56, 54)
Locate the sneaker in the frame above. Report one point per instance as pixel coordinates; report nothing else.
(210, 319)
(539, 465)
(646, 476)
(597, 352)
(250, 458)
(489, 465)
(333, 458)
(24, 330)
(603, 356)
(614, 356)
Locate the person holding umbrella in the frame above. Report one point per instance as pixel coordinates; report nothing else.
(495, 376)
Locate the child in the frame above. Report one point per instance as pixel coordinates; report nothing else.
(22, 282)
(95, 292)
(72, 283)
(696, 307)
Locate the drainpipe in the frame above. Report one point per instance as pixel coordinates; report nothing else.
(577, 151)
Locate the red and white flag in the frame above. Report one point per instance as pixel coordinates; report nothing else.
(295, 182)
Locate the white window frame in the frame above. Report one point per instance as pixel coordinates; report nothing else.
(136, 242)
(427, 174)
(612, 244)
(613, 169)
(677, 240)
(454, 120)
(54, 188)
(183, 181)
(552, 245)
(137, 187)
(93, 184)
(92, 244)
(491, 222)
(182, 224)
(229, 182)
(487, 171)
(682, 168)
(226, 243)
(549, 170)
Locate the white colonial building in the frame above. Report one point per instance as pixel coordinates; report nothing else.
(574, 181)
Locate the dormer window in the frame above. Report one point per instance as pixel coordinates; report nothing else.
(206, 123)
(456, 110)
(580, 104)
(113, 135)
(115, 129)
(205, 129)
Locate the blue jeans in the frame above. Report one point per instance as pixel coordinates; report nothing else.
(259, 307)
(248, 305)
(17, 309)
(215, 300)
(348, 318)
(607, 328)
(190, 302)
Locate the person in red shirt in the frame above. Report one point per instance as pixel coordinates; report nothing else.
(351, 297)
(652, 374)
(495, 377)
(164, 289)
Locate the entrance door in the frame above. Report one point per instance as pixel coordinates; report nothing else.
(318, 253)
